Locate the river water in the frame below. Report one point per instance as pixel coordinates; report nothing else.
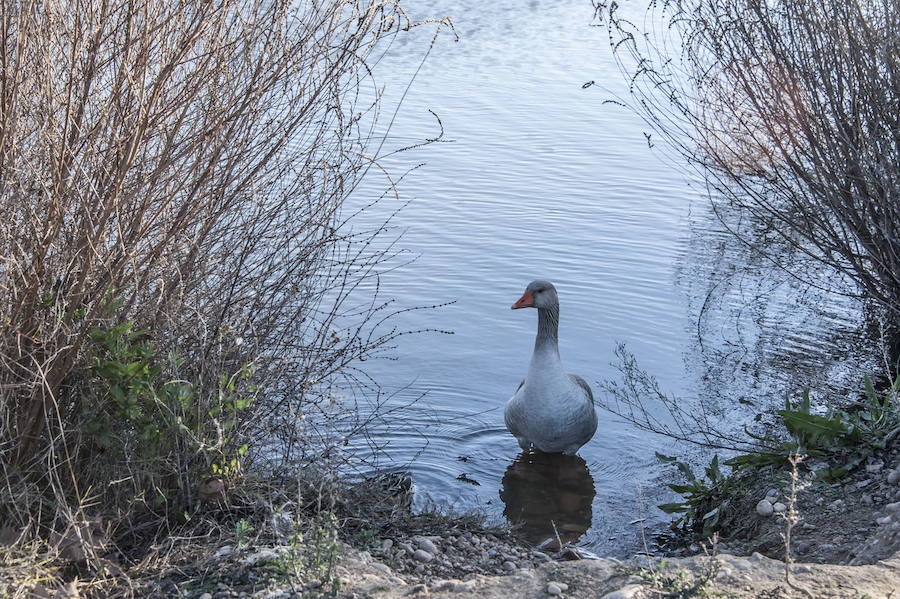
(536, 177)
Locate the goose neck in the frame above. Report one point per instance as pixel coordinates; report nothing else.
(548, 330)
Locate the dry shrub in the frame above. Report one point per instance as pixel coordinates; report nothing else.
(176, 274)
(790, 110)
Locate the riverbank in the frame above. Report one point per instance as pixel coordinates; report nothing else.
(365, 542)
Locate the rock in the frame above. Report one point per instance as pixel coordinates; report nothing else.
(224, 551)
(779, 508)
(554, 589)
(864, 483)
(893, 477)
(509, 566)
(383, 568)
(422, 555)
(883, 521)
(764, 508)
(264, 555)
(407, 548)
(867, 499)
(874, 468)
(387, 544)
(626, 592)
(836, 504)
(892, 507)
(419, 588)
(205, 596)
(426, 545)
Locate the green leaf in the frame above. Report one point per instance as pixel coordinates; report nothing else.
(673, 508)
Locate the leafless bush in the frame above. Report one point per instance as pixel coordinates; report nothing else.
(791, 112)
(175, 265)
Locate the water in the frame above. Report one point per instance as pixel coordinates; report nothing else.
(540, 179)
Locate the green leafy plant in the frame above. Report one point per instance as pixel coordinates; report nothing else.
(704, 499)
(242, 531)
(312, 555)
(847, 436)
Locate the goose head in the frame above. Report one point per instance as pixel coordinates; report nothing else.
(539, 294)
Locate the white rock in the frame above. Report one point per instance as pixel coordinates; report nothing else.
(387, 544)
(224, 551)
(626, 592)
(553, 589)
(205, 596)
(764, 508)
(779, 507)
(422, 555)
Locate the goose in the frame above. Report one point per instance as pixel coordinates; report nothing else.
(551, 411)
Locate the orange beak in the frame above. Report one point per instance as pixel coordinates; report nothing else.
(526, 301)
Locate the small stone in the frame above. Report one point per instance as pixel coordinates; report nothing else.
(836, 504)
(772, 493)
(224, 551)
(509, 566)
(407, 548)
(426, 545)
(893, 476)
(779, 508)
(419, 588)
(419, 569)
(627, 592)
(864, 483)
(764, 508)
(874, 468)
(387, 544)
(383, 568)
(867, 499)
(422, 555)
(892, 507)
(554, 589)
(883, 521)
(205, 596)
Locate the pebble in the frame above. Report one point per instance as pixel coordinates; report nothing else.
(509, 566)
(554, 588)
(419, 588)
(383, 568)
(893, 476)
(426, 545)
(883, 521)
(836, 504)
(772, 493)
(874, 468)
(407, 548)
(779, 507)
(864, 483)
(892, 507)
(764, 508)
(422, 555)
(867, 499)
(627, 592)
(224, 551)
(387, 544)
(205, 596)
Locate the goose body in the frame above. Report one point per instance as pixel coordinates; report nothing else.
(552, 410)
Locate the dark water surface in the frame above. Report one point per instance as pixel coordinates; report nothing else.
(540, 180)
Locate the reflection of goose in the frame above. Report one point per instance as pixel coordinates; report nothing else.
(542, 490)
(551, 410)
